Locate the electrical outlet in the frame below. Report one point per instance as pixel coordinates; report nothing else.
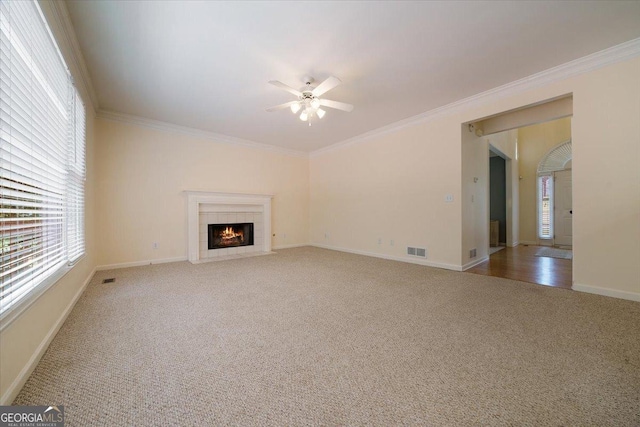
(391, 243)
(448, 198)
(379, 240)
(155, 245)
(326, 235)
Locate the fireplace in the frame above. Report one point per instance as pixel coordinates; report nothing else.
(230, 235)
(228, 209)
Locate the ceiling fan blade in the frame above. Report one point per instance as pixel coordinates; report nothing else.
(326, 86)
(337, 105)
(286, 87)
(282, 106)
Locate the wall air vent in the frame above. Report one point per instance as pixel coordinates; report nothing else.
(110, 280)
(472, 253)
(419, 252)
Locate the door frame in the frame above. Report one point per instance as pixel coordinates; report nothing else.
(555, 193)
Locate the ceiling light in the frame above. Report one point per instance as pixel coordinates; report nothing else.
(308, 100)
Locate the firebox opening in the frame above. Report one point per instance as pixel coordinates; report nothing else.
(230, 235)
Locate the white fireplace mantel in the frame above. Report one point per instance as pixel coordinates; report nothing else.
(211, 199)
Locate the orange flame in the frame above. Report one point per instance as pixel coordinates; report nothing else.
(230, 234)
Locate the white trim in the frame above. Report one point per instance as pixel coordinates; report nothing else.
(59, 21)
(391, 257)
(475, 262)
(139, 263)
(631, 296)
(31, 364)
(232, 257)
(196, 198)
(294, 245)
(612, 55)
(197, 133)
(15, 311)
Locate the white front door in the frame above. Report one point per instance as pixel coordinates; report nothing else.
(563, 210)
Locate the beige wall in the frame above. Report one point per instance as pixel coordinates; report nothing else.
(534, 142)
(394, 184)
(475, 191)
(606, 179)
(391, 188)
(24, 340)
(142, 174)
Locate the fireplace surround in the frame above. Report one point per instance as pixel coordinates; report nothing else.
(204, 208)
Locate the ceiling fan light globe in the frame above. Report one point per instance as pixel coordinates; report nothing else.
(320, 112)
(315, 103)
(295, 108)
(304, 116)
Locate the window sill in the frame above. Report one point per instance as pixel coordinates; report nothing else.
(16, 311)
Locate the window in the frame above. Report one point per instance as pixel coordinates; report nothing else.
(556, 159)
(545, 206)
(42, 156)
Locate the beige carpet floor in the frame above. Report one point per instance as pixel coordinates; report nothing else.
(317, 337)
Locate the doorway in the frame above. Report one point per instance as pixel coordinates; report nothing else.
(497, 201)
(528, 256)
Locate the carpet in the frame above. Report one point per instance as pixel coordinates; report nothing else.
(549, 252)
(310, 336)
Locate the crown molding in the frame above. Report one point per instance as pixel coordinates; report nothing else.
(612, 55)
(198, 133)
(59, 20)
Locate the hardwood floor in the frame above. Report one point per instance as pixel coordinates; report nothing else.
(520, 263)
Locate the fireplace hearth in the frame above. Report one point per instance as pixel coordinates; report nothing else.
(230, 235)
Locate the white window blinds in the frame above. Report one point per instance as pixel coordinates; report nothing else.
(42, 160)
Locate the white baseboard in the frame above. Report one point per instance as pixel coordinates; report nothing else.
(632, 296)
(295, 245)
(31, 364)
(140, 263)
(390, 257)
(529, 242)
(475, 262)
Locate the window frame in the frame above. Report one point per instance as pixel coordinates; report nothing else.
(540, 206)
(74, 212)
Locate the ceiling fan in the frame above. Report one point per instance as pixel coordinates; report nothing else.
(309, 100)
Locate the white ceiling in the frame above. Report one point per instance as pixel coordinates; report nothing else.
(205, 64)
